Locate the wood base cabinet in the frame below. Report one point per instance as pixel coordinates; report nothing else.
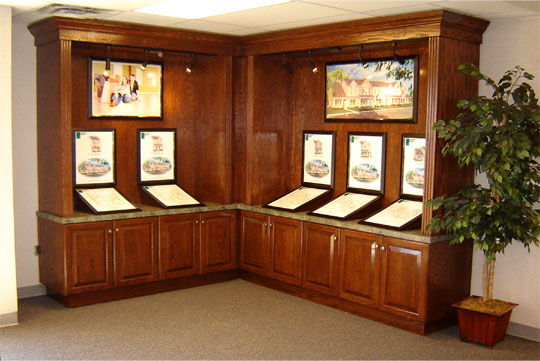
(218, 241)
(271, 246)
(320, 258)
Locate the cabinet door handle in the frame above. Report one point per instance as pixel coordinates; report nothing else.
(110, 231)
(196, 222)
(270, 225)
(333, 237)
(116, 230)
(202, 222)
(383, 248)
(374, 245)
(265, 224)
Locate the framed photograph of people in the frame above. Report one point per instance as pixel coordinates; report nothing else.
(366, 162)
(381, 90)
(413, 153)
(318, 159)
(93, 157)
(124, 89)
(157, 156)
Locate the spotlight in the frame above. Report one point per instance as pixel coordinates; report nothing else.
(399, 59)
(191, 65)
(286, 65)
(145, 63)
(314, 68)
(107, 62)
(365, 64)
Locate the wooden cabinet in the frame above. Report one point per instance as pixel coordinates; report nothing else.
(271, 246)
(383, 272)
(254, 233)
(179, 245)
(359, 267)
(218, 241)
(403, 278)
(135, 251)
(320, 258)
(89, 257)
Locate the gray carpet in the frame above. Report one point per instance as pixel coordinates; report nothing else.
(232, 320)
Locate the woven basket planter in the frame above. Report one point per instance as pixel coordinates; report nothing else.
(482, 327)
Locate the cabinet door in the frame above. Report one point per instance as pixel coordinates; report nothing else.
(320, 262)
(218, 241)
(359, 267)
(89, 257)
(136, 251)
(254, 242)
(286, 250)
(403, 278)
(178, 245)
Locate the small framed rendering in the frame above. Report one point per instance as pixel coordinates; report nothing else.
(399, 215)
(157, 156)
(413, 153)
(105, 200)
(94, 158)
(318, 159)
(346, 205)
(366, 162)
(381, 90)
(124, 90)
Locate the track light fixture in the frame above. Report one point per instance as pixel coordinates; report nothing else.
(189, 68)
(314, 68)
(286, 65)
(365, 64)
(399, 59)
(143, 65)
(107, 62)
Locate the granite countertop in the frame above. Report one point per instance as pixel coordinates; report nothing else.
(151, 211)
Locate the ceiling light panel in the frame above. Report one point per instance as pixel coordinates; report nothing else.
(197, 9)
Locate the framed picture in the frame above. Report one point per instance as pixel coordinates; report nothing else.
(94, 157)
(346, 205)
(398, 215)
(156, 156)
(124, 91)
(413, 154)
(366, 162)
(318, 158)
(171, 196)
(382, 90)
(297, 199)
(105, 200)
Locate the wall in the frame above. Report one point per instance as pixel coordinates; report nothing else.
(25, 156)
(506, 43)
(8, 278)
(517, 274)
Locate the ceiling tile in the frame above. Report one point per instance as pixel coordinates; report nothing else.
(517, 14)
(402, 10)
(480, 8)
(316, 21)
(20, 6)
(200, 25)
(275, 14)
(145, 19)
(363, 6)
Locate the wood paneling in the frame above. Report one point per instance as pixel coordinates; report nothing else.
(359, 267)
(135, 251)
(285, 261)
(404, 278)
(179, 243)
(320, 258)
(89, 257)
(254, 242)
(218, 241)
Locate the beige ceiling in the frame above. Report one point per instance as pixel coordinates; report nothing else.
(297, 13)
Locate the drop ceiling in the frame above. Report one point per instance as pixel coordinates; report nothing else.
(289, 15)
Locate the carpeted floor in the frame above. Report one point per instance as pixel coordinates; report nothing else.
(232, 320)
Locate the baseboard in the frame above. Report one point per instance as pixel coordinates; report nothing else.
(9, 319)
(31, 291)
(524, 331)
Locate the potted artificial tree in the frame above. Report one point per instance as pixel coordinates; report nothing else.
(499, 136)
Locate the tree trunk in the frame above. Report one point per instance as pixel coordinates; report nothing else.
(491, 278)
(485, 278)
